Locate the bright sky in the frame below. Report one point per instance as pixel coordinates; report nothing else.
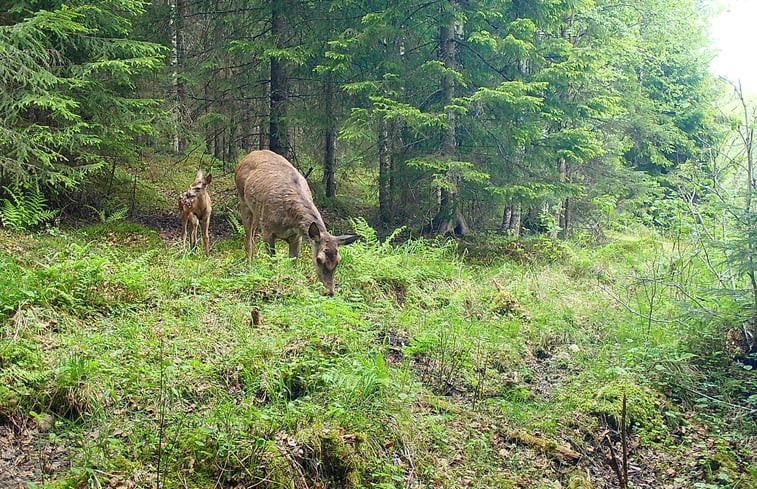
(733, 32)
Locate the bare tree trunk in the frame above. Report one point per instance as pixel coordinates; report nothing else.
(510, 219)
(747, 137)
(278, 137)
(449, 219)
(329, 160)
(181, 86)
(506, 216)
(265, 110)
(385, 175)
(563, 209)
(174, 29)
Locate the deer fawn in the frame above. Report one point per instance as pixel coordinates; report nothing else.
(195, 206)
(276, 197)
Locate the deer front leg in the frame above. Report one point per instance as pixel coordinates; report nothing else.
(205, 232)
(295, 242)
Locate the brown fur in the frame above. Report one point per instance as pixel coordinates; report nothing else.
(276, 198)
(196, 207)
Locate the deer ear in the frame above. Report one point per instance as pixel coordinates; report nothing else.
(199, 175)
(314, 232)
(208, 179)
(346, 239)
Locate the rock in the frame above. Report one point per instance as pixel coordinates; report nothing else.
(45, 422)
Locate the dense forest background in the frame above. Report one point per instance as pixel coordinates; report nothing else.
(455, 115)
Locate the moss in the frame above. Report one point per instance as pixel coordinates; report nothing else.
(643, 406)
(506, 304)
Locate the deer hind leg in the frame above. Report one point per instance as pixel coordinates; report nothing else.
(270, 243)
(205, 232)
(249, 229)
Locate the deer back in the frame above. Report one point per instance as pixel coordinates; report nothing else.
(276, 193)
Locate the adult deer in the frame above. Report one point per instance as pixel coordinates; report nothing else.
(275, 197)
(196, 207)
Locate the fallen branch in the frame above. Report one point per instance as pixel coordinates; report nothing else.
(548, 447)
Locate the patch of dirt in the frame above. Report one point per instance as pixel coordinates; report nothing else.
(395, 341)
(26, 455)
(168, 225)
(550, 369)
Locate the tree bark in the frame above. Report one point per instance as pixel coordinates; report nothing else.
(278, 134)
(511, 219)
(449, 219)
(563, 208)
(747, 136)
(385, 175)
(174, 24)
(329, 158)
(181, 86)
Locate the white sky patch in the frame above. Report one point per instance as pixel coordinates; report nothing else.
(734, 32)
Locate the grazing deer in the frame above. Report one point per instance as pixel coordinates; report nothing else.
(195, 206)
(276, 197)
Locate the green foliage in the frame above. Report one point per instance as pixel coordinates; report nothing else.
(68, 77)
(25, 210)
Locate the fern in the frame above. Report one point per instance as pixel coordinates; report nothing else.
(363, 229)
(26, 211)
(22, 376)
(234, 222)
(115, 216)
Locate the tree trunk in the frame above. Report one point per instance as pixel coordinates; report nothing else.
(449, 219)
(174, 29)
(329, 159)
(511, 219)
(278, 137)
(507, 214)
(181, 86)
(385, 175)
(747, 136)
(563, 209)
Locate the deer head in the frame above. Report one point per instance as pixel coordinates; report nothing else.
(326, 254)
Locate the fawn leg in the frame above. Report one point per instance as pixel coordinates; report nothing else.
(195, 226)
(184, 222)
(205, 233)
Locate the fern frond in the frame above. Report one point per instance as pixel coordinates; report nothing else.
(363, 229)
(27, 211)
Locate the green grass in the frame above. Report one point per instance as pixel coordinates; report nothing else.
(411, 376)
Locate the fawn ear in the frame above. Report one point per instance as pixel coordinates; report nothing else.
(314, 233)
(199, 175)
(346, 239)
(208, 179)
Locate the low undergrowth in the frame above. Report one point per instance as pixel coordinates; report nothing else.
(435, 365)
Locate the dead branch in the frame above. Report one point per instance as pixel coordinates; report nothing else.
(548, 447)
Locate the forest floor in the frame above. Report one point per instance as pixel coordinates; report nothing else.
(126, 361)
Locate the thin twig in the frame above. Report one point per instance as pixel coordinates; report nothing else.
(715, 399)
